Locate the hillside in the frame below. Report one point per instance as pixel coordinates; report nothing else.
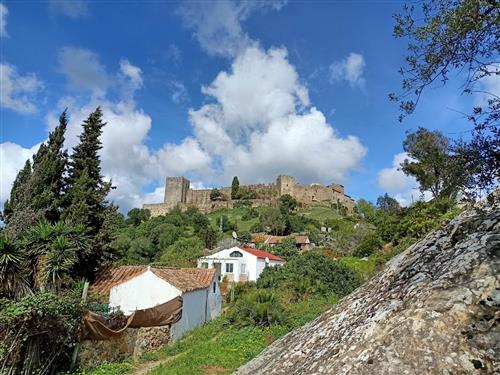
(434, 309)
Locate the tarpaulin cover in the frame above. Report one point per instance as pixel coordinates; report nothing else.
(96, 328)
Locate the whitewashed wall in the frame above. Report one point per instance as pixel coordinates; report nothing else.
(223, 257)
(214, 300)
(194, 305)
(142, 292)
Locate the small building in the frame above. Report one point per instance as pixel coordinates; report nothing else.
(131, 288)
(301, 240)
(240, 263)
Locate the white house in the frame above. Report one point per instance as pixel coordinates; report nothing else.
(240, 263)
(132, 288)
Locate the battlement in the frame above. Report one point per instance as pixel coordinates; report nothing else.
(179, 194)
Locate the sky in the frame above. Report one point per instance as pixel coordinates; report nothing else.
(213, 89)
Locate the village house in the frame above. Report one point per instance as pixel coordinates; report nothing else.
(301, 240)
(131, 288)
(240, 263)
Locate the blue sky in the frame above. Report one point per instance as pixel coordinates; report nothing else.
(213, 89)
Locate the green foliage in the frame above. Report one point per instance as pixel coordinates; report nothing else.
(287, 249)
(245, 236)
(311, 273)
(227, 224)
(235, 188)
(209, 237)
(215, 195)
(13, 276)
(272, 221)
(368, 245)
(183, 253)
(388, 204)
(245, 194)
(40, 331)
(250, 214)
(137, 215)
(107, 369)
(260, 308)
(287, 203)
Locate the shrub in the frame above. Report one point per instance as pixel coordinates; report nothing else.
(215, 195)
(183, 253)
(368, 246)
(250, 214)
(39, 331)
(257, 308)
(311, 273)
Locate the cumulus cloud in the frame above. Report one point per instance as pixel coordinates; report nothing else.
(395, 182)
(12, 159)
(350, 69)
(3, 21)
(18, 91)
(489, 86)
(69, 8)
(83, 70)
(217, 24)
(261, 124)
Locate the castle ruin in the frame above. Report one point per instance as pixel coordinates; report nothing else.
(179, 194)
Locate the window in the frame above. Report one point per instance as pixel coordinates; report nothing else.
(214, 286)
(236, 254)
(243, 268)
(204, 265)
(229, 267)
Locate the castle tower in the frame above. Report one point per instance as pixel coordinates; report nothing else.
(176, 190)
(285, 185)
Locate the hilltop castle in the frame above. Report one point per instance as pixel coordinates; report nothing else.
(179, 194)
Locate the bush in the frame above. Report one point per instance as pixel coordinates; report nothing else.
(215, 195)
(250, 214)
(183, 253)
(39, 331)
(368, 246)
(260, 308)
(311, 273)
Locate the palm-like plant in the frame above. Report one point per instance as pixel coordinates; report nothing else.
(13, 280)
(54, 249)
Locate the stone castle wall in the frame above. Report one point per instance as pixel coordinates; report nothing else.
(179, 194)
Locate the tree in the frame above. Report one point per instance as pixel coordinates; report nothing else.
(209, 236)
(215, 195)
(85, 200)
(272, 221)
(431, 162)
(235, 188)
(183, 253)
(449, 36)
(137, 215)
(287, 203)
(38, 188)
(368, 245)
(388, 204)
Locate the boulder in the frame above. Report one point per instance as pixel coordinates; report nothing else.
(434, 309)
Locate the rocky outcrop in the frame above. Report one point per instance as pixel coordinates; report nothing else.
(433, 310)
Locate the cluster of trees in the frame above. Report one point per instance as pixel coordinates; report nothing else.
(174, 239)
(58, 230)
(445, 37)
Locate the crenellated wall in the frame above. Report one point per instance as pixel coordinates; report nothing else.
(179, 194)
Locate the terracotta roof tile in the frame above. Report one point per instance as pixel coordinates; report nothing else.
(184, 279)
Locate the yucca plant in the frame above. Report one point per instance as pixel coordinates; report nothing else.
(13, 280)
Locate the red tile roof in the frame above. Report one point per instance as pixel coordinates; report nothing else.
(261, 254)
(184, 279)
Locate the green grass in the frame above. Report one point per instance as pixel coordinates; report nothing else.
(366, 268)
(235, 215)
(117, 368)
(320, 213)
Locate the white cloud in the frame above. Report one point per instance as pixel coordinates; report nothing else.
(217, 24)
(350, 69)
(178, 92)
(12, 159)
(130, 78)
(489, 86)
(83, 70)
(261, 125)
(69, 8)
(174, 54)
(395, 182)
(18, 91)
(3, 21)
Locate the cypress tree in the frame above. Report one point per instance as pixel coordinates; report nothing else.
(37, 190)
(235, 188)
(85, 200)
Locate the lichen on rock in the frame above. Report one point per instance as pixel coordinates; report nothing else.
(434, 309)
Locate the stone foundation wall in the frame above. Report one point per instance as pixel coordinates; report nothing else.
(133, 342)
